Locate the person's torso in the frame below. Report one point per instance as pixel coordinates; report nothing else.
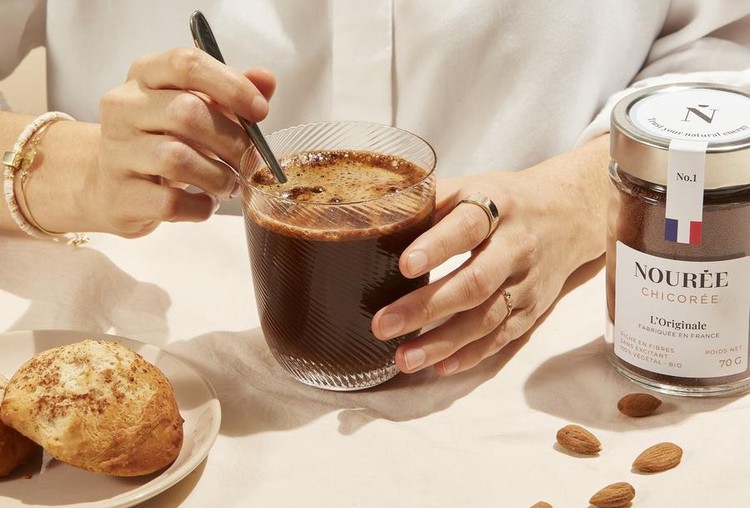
(491, 84)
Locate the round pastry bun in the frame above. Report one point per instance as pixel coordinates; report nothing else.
(98, 406)
(15, 448)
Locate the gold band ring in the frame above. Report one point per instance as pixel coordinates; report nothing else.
(508, 302)
(488, 207)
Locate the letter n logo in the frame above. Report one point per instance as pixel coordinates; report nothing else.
(700, 113)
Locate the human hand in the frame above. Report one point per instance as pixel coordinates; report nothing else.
(552, 220)
(170, 125)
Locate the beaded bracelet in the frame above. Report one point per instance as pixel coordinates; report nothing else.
(20, 158)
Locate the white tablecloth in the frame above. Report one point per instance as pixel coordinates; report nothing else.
(482, 438)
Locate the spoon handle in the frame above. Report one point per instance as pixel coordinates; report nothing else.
(205, 40)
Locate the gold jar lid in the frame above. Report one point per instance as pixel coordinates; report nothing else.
(644, 124)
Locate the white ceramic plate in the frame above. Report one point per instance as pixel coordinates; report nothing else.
(61, 485)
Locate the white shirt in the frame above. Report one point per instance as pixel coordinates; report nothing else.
(491, 84)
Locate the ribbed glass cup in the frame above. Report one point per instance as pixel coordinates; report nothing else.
(322, 269)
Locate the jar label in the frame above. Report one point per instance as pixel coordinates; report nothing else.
(686, 174)
(682, 318)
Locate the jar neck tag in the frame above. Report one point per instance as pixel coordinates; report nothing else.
(686, 172)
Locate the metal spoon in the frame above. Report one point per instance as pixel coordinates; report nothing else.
(204, 39)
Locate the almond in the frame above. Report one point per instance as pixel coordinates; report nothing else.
(576, 439)
(541, 504)
(659, 457)
(638, 404)
(615, 495)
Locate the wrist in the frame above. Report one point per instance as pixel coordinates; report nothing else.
(54, 190)
(575, 187)
(589, 170)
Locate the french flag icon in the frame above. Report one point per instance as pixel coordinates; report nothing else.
(683, 231)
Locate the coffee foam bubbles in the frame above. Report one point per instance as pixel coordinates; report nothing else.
(341, 176)
(337, 195)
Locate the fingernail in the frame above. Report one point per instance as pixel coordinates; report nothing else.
(391, 325)
(416, 261)
(259, 107)
(235, 189)
(217, 203)
(450, 365)
(414, 358)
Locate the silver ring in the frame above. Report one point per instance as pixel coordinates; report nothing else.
(508, 302)
(489, 208)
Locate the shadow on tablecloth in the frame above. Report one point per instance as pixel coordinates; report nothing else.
(581, 386)
(257, 395)
(81, 289)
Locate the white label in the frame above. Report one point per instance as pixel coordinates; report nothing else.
(686, 175)
(697, 114)
(682, 318)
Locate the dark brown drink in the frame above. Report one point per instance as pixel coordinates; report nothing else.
(324, 251)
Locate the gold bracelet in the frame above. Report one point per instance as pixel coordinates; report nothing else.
(21, 158)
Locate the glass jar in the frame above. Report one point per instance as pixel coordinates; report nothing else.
(678, 239)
